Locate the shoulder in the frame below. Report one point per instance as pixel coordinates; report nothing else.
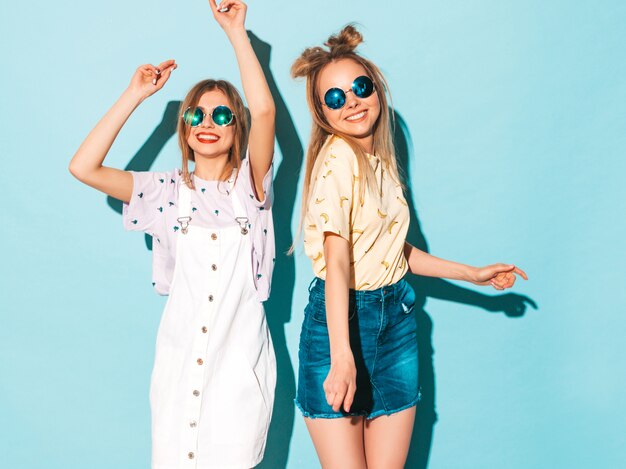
(156, 182)
(158, 177)
(339, 149)
(336, 155)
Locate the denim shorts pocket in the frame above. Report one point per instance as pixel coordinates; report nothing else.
(408, 299)
(319, 311)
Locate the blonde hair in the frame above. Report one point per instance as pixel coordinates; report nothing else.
(310, 65)
(235, 154)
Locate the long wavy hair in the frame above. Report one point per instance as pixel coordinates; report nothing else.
(240, 122)
(310, 65)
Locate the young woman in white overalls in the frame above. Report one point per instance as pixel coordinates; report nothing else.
(214, 375)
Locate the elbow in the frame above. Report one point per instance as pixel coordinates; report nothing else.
(266, 112)
(78, 171)
(75, 170)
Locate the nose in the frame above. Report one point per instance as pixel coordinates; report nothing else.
(207, 122)
(351, 100)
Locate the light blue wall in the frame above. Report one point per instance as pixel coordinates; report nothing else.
(515, 118)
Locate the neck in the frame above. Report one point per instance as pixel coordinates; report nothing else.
(366, 143)
(212, 169)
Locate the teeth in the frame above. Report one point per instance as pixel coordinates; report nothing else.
(356, 116)
(207, 137)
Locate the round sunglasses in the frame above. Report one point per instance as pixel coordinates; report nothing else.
(362, 87)
(221, 115)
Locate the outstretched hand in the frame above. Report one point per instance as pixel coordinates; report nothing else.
(230, 14)
(148, 79)
(499, 276)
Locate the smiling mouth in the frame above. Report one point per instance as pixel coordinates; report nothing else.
(207, 138)
(357, 117)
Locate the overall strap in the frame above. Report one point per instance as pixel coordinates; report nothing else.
(184, 206)
(240, 212)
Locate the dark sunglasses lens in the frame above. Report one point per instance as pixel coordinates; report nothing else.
(362, 87)
(335, 98)
(222, 115)
(193, 117)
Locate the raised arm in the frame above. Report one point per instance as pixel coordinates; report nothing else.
(500, 276)
(86, 165)
(231, 15)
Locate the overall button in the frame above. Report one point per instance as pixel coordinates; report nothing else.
(211, 298)
(204, 329)
(193, 424)
(190, 455)
(213, 236)
(199, 361)
(213, 267)
(196, 392)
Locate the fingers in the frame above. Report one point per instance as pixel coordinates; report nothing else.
(521, 273)
(338, 399)
(498, 268)
(335, 393)
(226, 6)
(502, 276)
(148, 70)
(213, 5)
(156, 73)
(163, 72)
(168, 63)
(230, 4)
(161, 80)
(347, 401)
(505, 280)
(339, 394)
(330, 398)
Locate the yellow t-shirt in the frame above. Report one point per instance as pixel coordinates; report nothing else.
(375, 229)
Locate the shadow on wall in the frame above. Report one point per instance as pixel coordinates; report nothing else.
(144, 158)
(511, 304)
(278, 307)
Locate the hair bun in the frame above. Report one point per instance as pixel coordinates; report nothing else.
(346, 41)
(339, 45)
(311, 58)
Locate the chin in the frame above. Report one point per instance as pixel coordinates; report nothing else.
(212, 153)
(358, 133)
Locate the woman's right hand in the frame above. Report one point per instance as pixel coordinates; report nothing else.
(340, 384)
(148, 79)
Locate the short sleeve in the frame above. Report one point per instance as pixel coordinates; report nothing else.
(152, 193)
(245, 178)
(330, 203)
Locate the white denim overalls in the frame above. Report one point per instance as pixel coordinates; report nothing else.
(214, 374)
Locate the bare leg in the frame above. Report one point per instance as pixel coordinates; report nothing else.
(387, 439)
(338, 442)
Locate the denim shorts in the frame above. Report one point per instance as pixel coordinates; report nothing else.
(384, 344)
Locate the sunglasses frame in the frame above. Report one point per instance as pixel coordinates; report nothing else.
(204, 115)
(345, 92)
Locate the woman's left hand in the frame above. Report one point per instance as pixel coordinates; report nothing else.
(230, 14)
(499, 276)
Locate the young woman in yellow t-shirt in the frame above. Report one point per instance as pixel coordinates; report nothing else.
(358, 386)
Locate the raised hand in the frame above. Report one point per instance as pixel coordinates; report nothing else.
(499, 276)
(148, 79)
(230, 14)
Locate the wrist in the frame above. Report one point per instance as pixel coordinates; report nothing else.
(470, 274)
(236, 34)
(134, 96)
(341, 354)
